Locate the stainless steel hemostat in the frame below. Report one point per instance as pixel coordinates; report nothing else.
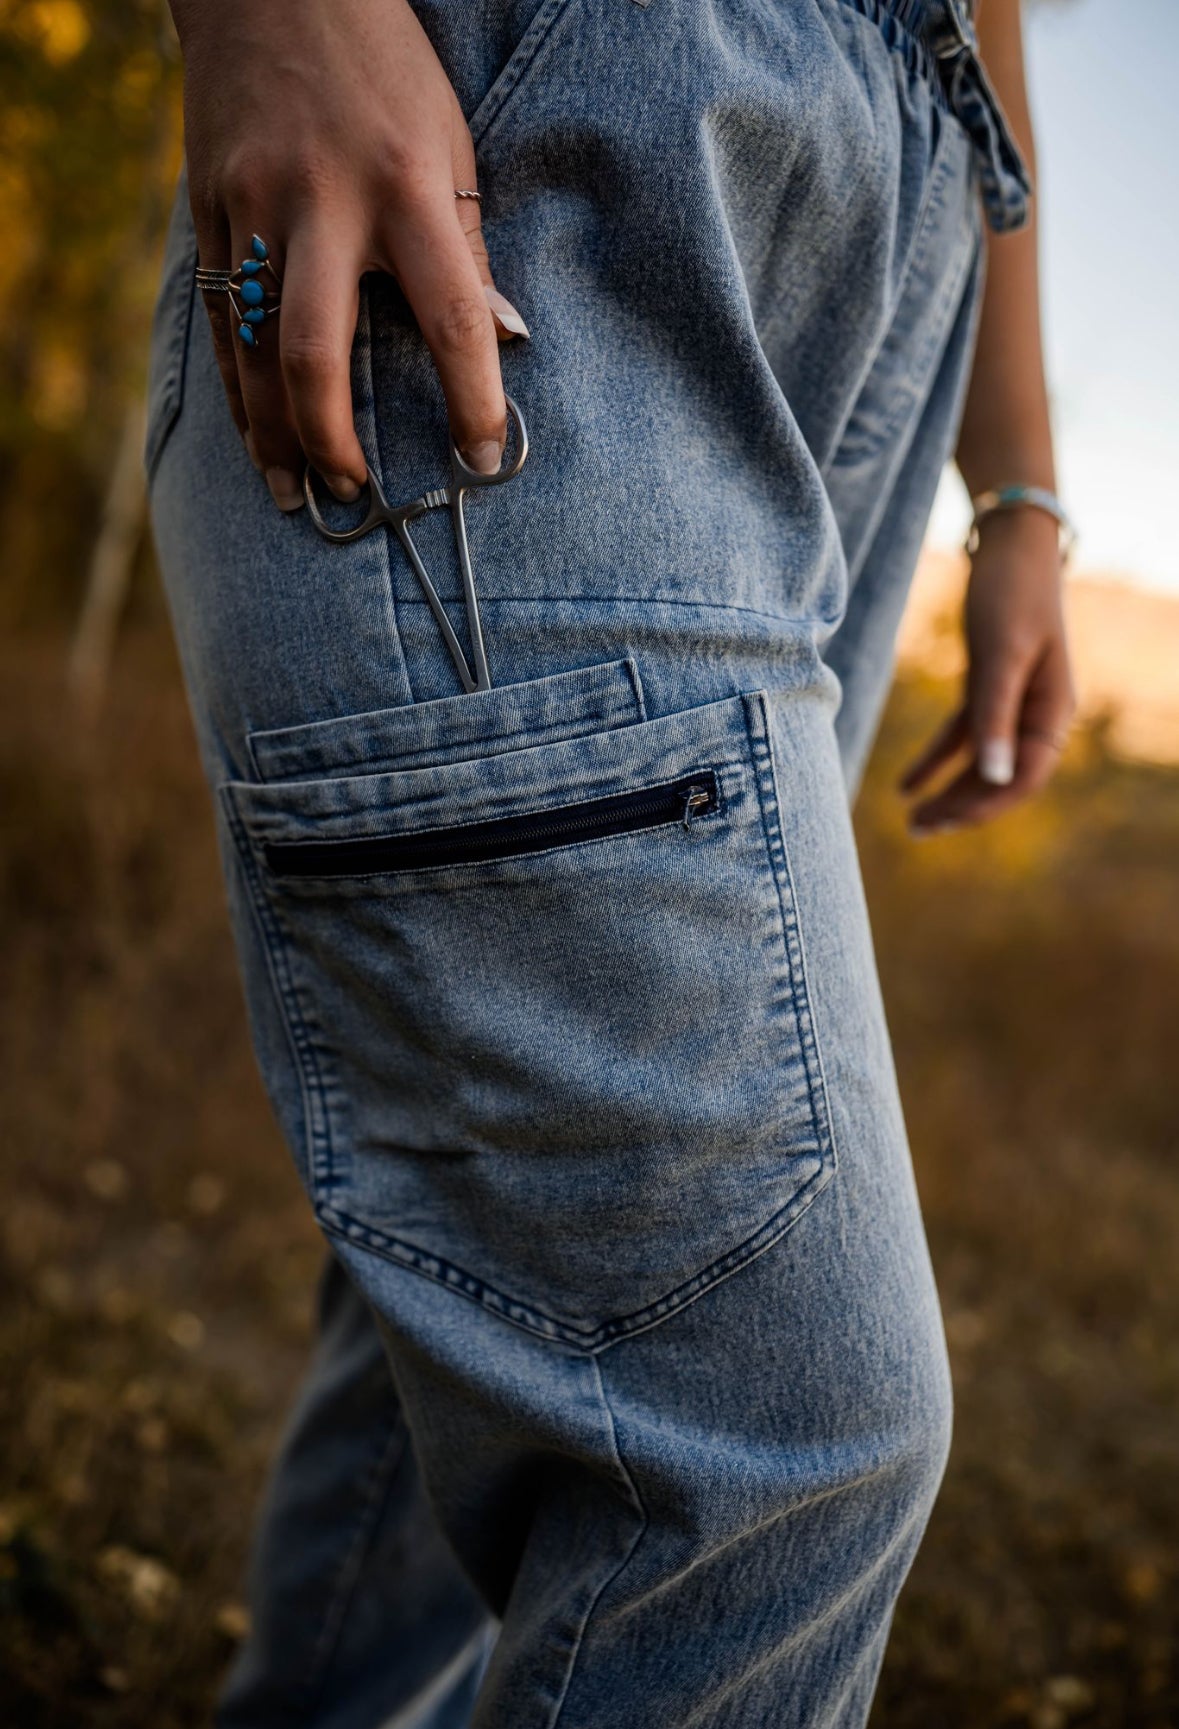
(380, 512)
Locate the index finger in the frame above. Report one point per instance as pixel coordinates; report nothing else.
(970, 799)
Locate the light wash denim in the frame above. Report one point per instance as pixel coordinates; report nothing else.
(631, 1399)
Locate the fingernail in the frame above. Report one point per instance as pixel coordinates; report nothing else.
(996, 761)
(342, 486)
(251, 452)
(484, 458)
(284, 488)
(923, 831)
(505, 312)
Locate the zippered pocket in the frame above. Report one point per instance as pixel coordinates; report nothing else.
(550, 1012)
(682, 800)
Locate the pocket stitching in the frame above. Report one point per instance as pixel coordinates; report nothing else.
(164, 411)
(612, 711)
(513, 74)
(596, 720)
(858, 445)
(525, 1315)
(316, 1116)
(792, 931)
(609, 1332)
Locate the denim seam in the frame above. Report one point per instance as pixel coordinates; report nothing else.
(593, 1340)
(900, 439)
(812, 1046)
(918, 251)
(316, 1119)
(171, 397)
(627, 601)
(602, 718)
(390, 583)
(795, 958)
(513, 74)
(624, 1562)
(935, 330)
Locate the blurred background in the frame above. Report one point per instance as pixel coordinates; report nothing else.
(157, 1258)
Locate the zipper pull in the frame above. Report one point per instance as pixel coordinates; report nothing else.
(696, 799)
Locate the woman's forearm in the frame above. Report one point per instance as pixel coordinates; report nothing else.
(1018, 698)
(1006, 433)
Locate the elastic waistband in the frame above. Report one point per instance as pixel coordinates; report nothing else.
(913, 14)
(919, 16)
(914, 27)
(938, 40)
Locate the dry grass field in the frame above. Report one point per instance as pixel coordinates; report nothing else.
(157, 1261)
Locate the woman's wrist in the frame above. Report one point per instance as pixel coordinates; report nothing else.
(1021, 535)
(1016, 499)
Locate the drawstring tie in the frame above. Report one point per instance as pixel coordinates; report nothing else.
(1003, 176)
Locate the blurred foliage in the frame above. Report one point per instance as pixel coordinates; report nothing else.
(89, 153)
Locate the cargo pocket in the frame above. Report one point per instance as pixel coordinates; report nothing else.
(551, 1010)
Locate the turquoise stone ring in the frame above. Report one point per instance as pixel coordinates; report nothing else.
(254, 290)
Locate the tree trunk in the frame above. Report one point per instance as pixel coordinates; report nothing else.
(110, 567)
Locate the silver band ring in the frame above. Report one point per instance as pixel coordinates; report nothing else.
(467, 192)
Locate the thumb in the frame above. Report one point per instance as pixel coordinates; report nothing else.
(507, 320)
(994, 719)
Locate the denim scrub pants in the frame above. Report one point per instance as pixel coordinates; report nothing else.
(631, 1398)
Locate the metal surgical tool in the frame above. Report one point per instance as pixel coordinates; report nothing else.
(398, 517)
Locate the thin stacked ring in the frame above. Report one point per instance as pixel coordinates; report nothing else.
(252, 299)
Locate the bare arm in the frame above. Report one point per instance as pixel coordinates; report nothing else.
(1005, 430)
(1019, 698)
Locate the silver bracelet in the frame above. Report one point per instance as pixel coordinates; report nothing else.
(1016, 497)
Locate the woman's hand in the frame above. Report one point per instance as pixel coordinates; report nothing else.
(1019, 698)
(333, 132)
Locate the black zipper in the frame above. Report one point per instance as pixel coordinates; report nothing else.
(679, 801)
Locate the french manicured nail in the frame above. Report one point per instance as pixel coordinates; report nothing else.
(251, 452)
(505, 312)
(342, 486)
(484, 458)
(996, 761)
(284, 488)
